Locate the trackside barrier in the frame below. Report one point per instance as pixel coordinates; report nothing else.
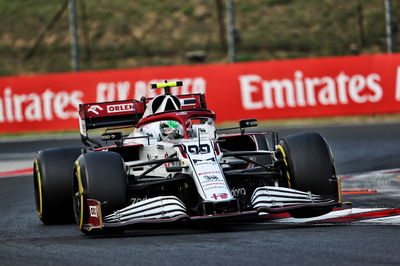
(330, 86)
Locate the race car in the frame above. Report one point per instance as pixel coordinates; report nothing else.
(162, 160)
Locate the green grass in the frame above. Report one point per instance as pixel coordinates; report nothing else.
(125, 33)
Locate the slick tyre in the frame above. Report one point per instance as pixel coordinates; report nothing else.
(309, 166)
(100, 176)
(52, 179)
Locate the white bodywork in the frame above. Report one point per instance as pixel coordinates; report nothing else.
(199, 160)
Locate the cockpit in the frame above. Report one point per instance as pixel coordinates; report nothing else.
(168, 130)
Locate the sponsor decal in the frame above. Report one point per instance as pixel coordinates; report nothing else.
(302, 91)
(93, 211)
(238, 191)
(188, 101)
(152, 157)
(111, 136)
(94, 108)
(213, 187)
(166, 164)
(220, 196)
(31, 106)
(205, 161)
(118, 108)
(210, 173)
(330, 86)
(209, 178)
(136, 200)
(160, 147)
(214, 184)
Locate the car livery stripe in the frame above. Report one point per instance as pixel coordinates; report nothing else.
(279, 147)
(39, 180)
(78, 170)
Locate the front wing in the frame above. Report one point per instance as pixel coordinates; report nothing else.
(169, 209)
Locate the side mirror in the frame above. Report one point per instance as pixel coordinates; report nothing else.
(244, 123)
(251, 122)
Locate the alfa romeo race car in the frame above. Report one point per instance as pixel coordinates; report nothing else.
(161, 159)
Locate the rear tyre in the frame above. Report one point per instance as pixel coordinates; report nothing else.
(100, 176)
(52, 179)
(309, 166)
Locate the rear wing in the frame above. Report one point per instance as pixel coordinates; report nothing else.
(109, 114)
(126, 112)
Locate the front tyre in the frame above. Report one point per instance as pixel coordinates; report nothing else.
(52, 179)
(309, 167)
(100, 176)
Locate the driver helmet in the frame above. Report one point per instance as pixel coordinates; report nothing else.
(170, 129)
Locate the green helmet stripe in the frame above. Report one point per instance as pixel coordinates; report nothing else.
(172, 124)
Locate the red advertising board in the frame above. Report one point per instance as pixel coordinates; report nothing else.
(264, 90)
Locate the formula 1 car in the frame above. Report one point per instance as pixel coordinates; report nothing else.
(161, 159)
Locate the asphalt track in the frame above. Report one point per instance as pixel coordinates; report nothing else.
(363, 236)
